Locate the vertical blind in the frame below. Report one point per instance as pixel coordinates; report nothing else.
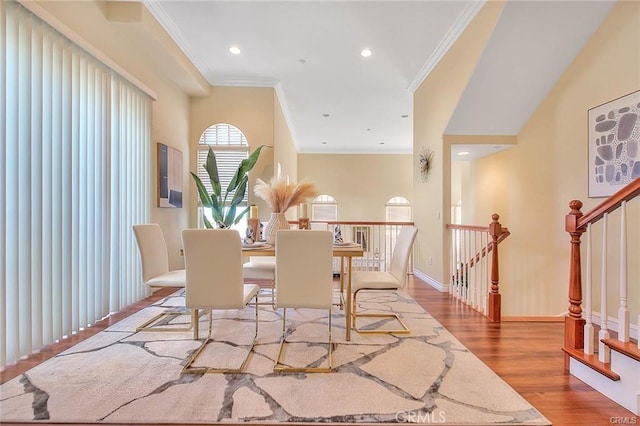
(74, 167)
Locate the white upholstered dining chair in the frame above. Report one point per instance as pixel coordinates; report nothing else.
(304, 279)
(156, 274)
(213, 263)
(392, 280)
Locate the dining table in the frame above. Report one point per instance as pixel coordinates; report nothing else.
(345, 251)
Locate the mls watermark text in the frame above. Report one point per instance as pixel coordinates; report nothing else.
(627, 420)
(422, 417)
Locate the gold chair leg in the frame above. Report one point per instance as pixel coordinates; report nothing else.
(273, 296)
(355, 315)
(340, 304)
(195, 324)
(187, 369)
(148, 325)
(278, 367)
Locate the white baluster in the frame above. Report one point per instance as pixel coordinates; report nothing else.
(589, 331)
(452, 261)
(472, 282)
(463, 250)
(488, 273)
(480, 260)
(485, 276)
(623, 309)
(479, 265)
(478, 269)
(465, 277)
(478, 285)
(604, 353)
(459, 238)
(458, 257)
(459, 264)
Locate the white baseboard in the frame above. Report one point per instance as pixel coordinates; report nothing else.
(612, 324)
(444, 288)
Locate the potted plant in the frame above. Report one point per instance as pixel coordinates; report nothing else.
(224, 212)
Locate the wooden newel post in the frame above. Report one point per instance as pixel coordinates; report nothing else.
(573, 322)
(495, 230)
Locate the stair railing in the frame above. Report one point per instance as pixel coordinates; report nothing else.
(579, 333)
(472, 269)
(376, 238)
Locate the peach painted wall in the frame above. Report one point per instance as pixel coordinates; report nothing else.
(250, 109)
(434, 103)
(284, 150)
(361, 183)
(531, 184)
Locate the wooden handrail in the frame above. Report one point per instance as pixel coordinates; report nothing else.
(610, 204)
(468, 227)
(497, 233)
(357, 222)
(576, 224)
(504, 233)
(485, 250)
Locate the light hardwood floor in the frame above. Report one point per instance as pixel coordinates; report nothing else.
(527, 355)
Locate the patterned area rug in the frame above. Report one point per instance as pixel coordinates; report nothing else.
(123, 376)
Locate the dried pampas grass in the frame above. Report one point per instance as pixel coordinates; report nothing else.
(281, 195)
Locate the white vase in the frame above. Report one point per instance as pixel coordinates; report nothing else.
(277, 221)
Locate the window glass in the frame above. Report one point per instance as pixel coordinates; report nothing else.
(324, 207)
(398, 209)
(230, 146)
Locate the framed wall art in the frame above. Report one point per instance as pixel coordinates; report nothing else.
(169, 177)
(614, 144)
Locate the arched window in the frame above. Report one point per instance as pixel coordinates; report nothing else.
(230, 147)
(324, 207)
(398, 209)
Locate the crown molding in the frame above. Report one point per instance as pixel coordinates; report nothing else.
(158, 12)
(287, 115)
(245, 82)
(464, 18)
(42, 13)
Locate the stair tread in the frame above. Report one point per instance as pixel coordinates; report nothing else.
(592, 362)
(629, 349)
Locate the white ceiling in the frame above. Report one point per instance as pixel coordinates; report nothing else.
(309, 51)
(532, 45)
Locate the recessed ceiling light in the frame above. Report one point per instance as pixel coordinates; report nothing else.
(463, 153)
(235, 50)
(365, 53)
